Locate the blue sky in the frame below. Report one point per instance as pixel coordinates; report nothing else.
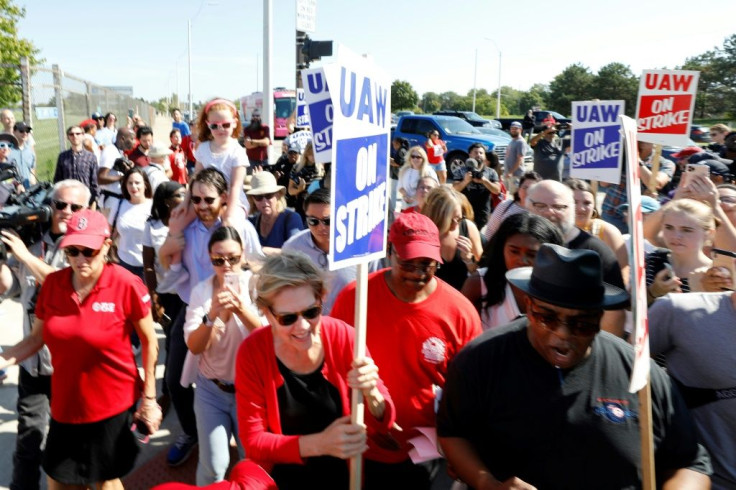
(430, 44)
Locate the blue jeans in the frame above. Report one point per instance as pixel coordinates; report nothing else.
(217, 421)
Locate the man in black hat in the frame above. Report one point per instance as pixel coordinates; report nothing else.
(543, 402)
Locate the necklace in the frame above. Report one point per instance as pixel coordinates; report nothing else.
(82, 291)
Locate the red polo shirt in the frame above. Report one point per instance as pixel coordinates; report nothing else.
(95, 375)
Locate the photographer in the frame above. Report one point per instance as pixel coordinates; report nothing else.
(303, 173)
(21, 277)
(112, 167)
(10, 182)
(478, 182)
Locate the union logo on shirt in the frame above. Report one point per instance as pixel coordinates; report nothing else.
(103, 307)
(614, 410)
(433, 350)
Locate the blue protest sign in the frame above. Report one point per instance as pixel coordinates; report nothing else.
(302, 111)
(360, 154)
(596, 140)
(319, 109)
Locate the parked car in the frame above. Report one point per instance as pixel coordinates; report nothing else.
(471, 117)
(404, 113)
(456, 133)
(667, 151)
(700, 134)
(540, 116)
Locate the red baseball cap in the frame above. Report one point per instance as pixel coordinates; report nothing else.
(413, 236)
(86, 228)
(687, 151)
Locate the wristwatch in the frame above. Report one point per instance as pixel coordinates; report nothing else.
(206, 320)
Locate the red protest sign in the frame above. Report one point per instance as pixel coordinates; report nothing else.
(665, 106)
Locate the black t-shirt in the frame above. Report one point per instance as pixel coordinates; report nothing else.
(554, 429)
(308, 403)
(479, 195)
(611, 267)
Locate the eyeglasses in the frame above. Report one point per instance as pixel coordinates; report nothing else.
(5, 146)
(86, 252)
(411, 267)
(727, 199)
(261, 197)
(287, 319)
(312, 221)
(75, 133)
(225, 125)
(424, 187)
(540, 206)
(22, 131)
(220, 261)
(198, 199)
(417, 156)
(576, 326)
(61, 206)
(457, 219)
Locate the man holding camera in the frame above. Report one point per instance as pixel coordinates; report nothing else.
(22, 276)
(477, 181)
(547, 154)
(113, 165)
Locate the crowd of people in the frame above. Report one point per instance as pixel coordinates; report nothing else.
(498, 330)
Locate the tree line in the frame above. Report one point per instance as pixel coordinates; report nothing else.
(614, 81)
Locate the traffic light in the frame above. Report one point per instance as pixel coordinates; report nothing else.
(314, 50)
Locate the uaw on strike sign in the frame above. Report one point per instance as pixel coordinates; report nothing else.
(361, 101)
(664, 110)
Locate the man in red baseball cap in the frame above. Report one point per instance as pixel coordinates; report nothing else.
(416, 324)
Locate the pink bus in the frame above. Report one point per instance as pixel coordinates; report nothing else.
(284, 104)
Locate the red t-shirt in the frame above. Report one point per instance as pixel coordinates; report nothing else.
(412, 344)
(259, 153)
(139, 158)
(188, 145)
(95, 375)
(178, 161)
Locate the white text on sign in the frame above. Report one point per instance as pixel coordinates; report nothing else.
(358, 217)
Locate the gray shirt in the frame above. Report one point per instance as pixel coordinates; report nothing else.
(24, 286)
(516, 148)
(695, 331)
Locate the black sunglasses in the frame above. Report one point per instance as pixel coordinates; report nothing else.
(61, 206)
(261, 197)
(287, 319)
(87, 252)
(312, 221)
(220, 261)
(197, 199)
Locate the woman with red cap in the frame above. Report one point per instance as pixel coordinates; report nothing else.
(85, 314)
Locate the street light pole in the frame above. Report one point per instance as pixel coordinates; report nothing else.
(475, 77)
(498, 94)
(189, 61)
(498, 98)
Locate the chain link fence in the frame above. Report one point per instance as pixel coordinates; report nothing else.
(52, 100)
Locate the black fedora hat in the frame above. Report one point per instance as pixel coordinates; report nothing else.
(567, 278)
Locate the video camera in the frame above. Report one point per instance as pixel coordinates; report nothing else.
(122, 165)
(472, 166)
(26, 214)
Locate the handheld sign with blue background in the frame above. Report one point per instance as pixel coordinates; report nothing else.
(361, 96)
(302, 111)
(320, 110)
(664, 110)
(596, 140)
